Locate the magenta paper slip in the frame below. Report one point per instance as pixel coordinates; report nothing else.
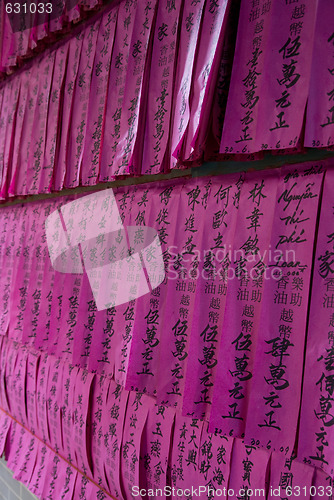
(8, 262)
(16, 383)
(18, 179)
(189, 34)
(54, 401)
(136, 414)
(65, 133)
(42, 396)
(33, 366)
(210, 297)
(84, 488)
(7, 151)
(5, 422)
(69, 379)
(274, 400)
(97, 420)
(53, 118)
(43, 288)
(245, 96)
(81, 425)
(182, 279)
(5, 349)
(26, 462)
(113, 416)
(286, 75)
(160, 87)
(317, 416)
(116, 87)
(18, 297)
(319, 129)
(210, 46)
(157, 207)
(23, 109)
(322, 485)
(155, 448)
(60, 480)
(39, 125)
(39, 280)
(39, 476)
(215, 462)
(246, 280)
(90, 162)
(249, 470)
(127, 156)
(80, 106)
(289, 478)
(185, 455)
(16, 445)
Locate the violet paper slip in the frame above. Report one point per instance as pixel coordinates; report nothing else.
(7, 151)
(99, 421)
(155, 448)
(249, 471)
(113, 417)
(80, 106)
(319, 129)
(177, 319)
(286, 75)
(289, 478)
(210, 45)
(127, 158)
(18, 450)
(116, 87)
(65, 134)
(160, 87)
(317, 416)
(157, 207)
(39, 125)
(53, 118)
(274, 400)
(185, 455)
(138, 408)
(189, 33)
(215, 462)
(245, 96)
(5, 349)
(210, 297)
(60, 479)
(90, 160)
(244, 302)
(19, 289)
(81, 424)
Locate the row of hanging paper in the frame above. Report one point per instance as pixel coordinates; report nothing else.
(70, 434)
(144, 89)
(29, 28)
(222, 336)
